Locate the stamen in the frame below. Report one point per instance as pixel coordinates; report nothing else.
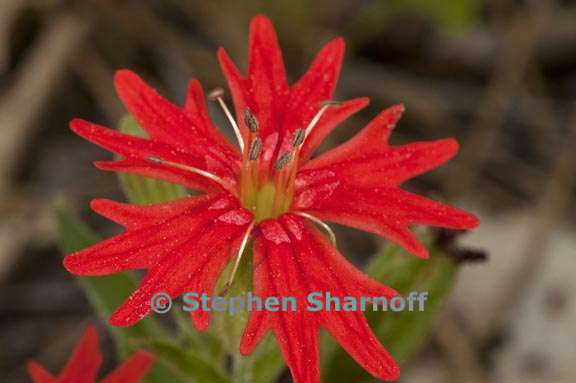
(324, 105)
(330, 103)
(217, 94)
(283, 160)
(299, 136)
(194, 170)
(320, 223)
(255, 149)
(250, 120)
(243, 244)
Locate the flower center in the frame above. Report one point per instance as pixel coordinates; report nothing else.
(267, 188)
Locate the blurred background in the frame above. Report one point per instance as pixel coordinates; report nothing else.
(499, 75)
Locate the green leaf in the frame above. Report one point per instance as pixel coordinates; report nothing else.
(144, 190)
(400, 332)
(207, 343)
(190, 363)
(108, 292)
(451, 15)
(268, 362)
(230, 326)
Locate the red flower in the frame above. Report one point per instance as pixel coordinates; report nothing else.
(268, 193)
(84, 364)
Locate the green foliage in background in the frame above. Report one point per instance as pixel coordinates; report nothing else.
(450, 15)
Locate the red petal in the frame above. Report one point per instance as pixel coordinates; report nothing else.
(154, 231)
(384, 211)
(192, 261)
(138, 216)
(133, 370)
(266, 73)
(329, 121)
(187, 136)
(124, 144)
(166, 173)
(357, 184)
(291, 259)
(197, 111)
(317, 85)
(139, 149)
(39, 374)
(390, 167)
(265, 54)
(351, 330)
(281, 110)
(239, 87)
(84, 364)
(372, 139)
(265, 88)
(184, 244)
(163, 120)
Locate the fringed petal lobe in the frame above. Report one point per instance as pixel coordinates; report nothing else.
(291, 259)
(85, 361)
(328, 122)
(132, 370)
(358, 184)
(266, 74)
(163, 172)
(279, 108)
(184, 245)
(166, 122)
(39, 374)
(387, 212)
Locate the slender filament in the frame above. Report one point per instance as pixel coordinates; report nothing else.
(194, 170)
(320, 223)
(217, 94)
(324, 107)
(243, 244)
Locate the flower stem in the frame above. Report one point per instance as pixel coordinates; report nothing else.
(242, 368)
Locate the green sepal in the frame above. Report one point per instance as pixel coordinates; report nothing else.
(189, 362)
